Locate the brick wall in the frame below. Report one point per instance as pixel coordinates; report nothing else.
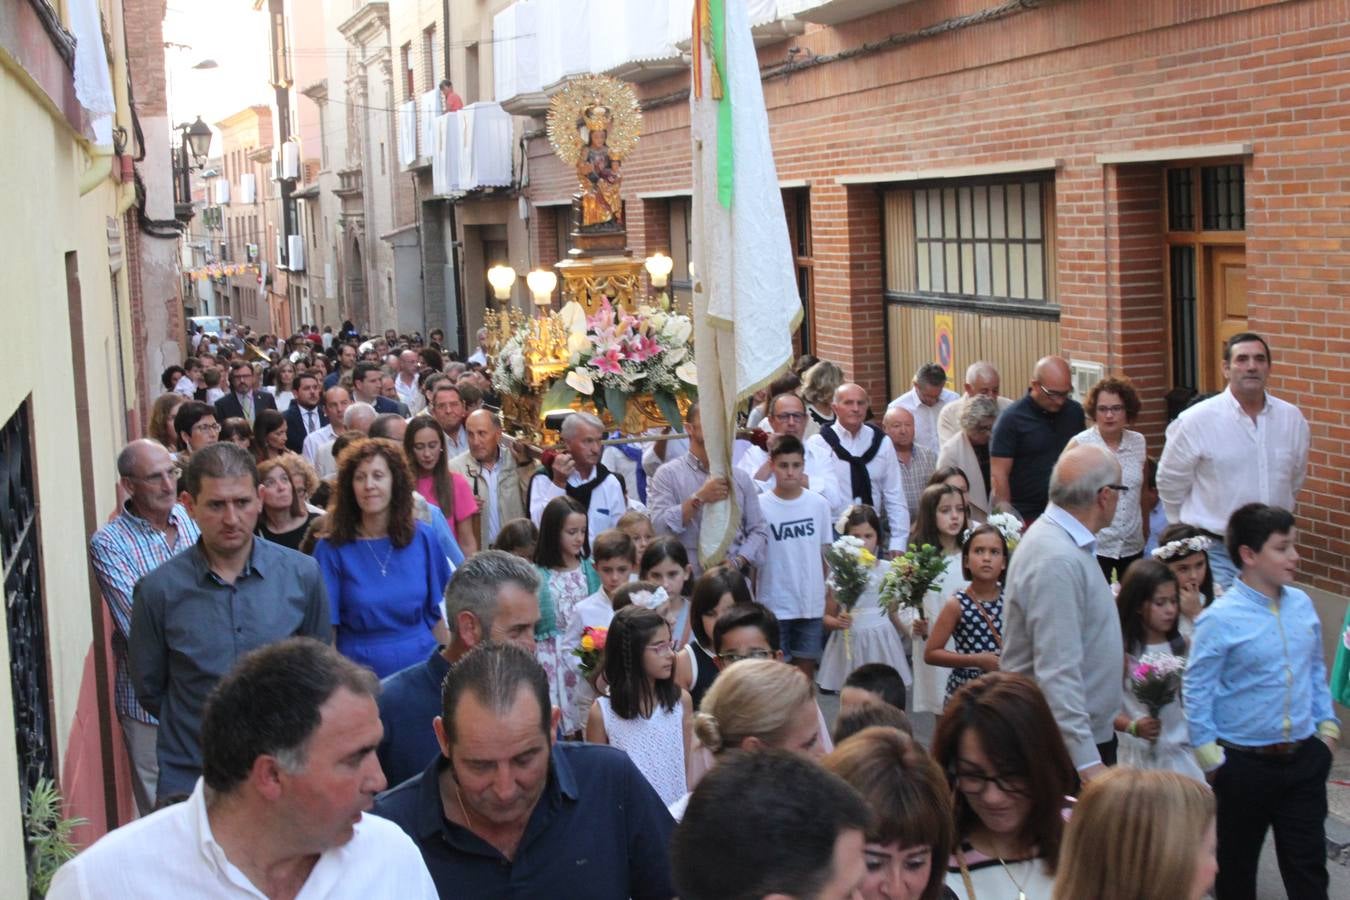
(1071, 81)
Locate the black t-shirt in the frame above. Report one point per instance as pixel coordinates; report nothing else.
(290, 538)
(1034, 439)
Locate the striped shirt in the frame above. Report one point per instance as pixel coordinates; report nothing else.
(124, 551)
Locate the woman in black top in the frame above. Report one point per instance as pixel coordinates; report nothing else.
(285, 518)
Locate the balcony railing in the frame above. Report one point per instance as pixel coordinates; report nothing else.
(471, 150)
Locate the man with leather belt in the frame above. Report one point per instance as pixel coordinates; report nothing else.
(1260, 712)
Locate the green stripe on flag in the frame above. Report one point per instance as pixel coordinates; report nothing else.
(725, 147)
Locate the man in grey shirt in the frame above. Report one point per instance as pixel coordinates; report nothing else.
(198, 613)
(1060, 622)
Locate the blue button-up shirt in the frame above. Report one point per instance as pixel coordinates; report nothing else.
(188, 628)
(599, 831)
(123, 552)
(1256, 674)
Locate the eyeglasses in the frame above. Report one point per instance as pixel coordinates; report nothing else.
(154, 477)
(730, 658)
(206, 427)
(1122, 488)
(1111, 410)
(661, 648)
(975, 783)
(1057, 395)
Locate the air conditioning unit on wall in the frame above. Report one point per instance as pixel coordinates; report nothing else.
(1084, 375)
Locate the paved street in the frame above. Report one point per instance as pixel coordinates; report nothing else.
(1269, 886)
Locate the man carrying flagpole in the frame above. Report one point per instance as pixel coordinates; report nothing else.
(741, 250)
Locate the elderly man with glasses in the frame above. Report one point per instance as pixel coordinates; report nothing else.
(151, 527)
(787, 415)
(1030, 436)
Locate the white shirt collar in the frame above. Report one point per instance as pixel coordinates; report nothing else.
(1076, 529)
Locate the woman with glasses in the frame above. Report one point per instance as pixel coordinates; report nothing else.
(910, 835)
(968, 450)
(1111, 405)
(1010, 775)
(196, 427)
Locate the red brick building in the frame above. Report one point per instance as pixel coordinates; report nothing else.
(1124, 183)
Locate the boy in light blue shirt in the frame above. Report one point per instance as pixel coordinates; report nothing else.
(1260, 711)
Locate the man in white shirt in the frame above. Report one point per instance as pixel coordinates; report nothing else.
(288, 745)
(982, 380)
(479, 354)
(864, 465)
(1240, 446)
(787, 415)
(926, 400)
(579, 473)
(335, 403)
(448, 409)
(405, 382)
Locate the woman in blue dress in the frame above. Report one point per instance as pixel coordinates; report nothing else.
(384, 571)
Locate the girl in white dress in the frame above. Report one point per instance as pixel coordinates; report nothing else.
(867, 634)
(1182, 549)
(941, 521)
(1149, 620)
(646, 714)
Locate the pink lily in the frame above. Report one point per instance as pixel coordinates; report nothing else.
(608, 361)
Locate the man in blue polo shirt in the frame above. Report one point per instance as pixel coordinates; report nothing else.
(494, 596)
(1029, 437)
(506, 812)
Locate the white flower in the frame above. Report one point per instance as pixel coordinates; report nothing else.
(580, 381)
(518, 365)
(678, 329)
(675, 357)
(687, 373)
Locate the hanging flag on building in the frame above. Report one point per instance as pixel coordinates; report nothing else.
(745, 293)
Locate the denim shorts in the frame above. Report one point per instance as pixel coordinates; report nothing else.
(802, 638)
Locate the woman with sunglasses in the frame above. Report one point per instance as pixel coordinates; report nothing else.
(1010, 775)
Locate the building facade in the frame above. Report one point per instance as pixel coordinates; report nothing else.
(1126, 185)
(245, 194)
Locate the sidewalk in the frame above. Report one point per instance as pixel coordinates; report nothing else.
(1338, 808)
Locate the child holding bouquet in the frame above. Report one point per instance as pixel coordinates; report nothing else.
(940, 523)
(973, 617)
(1155, 654)
(860, 632)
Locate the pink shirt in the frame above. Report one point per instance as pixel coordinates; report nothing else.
(465, 505)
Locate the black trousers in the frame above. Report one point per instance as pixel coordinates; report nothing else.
(1287, 794)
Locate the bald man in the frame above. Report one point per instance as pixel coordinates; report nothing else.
(1029, 436)
(494, 472)
(1061, 627)
(982, 380)
(406, 384)
(865, 463)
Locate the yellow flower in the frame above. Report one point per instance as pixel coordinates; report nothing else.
(588, 643)
(866, 558)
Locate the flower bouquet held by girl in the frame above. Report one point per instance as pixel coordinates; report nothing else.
(850, 566)
(591, 651)
(1155, 680)
(911, 576)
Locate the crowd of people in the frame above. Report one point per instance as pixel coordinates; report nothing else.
(369, 644)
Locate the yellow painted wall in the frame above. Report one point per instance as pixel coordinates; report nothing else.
(46, 218)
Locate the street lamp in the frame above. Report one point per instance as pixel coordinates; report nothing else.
(658, 267)
(194, 139)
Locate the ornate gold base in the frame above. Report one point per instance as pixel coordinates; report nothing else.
(523, 417)
(591, 280)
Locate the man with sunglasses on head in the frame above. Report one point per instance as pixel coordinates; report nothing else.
(1029, 437)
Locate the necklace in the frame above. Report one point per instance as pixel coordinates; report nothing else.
(1021, 892)
(384, 566)
(468, 823)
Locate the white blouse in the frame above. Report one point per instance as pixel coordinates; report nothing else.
(1125, 535)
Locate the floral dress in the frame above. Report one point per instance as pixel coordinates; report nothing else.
(567, 587)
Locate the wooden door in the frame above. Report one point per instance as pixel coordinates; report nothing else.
(1224, 308)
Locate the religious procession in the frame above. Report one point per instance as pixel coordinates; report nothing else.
(729, 450)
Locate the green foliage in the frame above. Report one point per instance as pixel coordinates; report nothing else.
(49, 842)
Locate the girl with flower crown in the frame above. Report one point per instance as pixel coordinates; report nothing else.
(1182, 549)
(863, 634)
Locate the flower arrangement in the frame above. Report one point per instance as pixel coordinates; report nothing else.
(1156, 680)
(850, 565)
(592, 650)
(611, 355)
(910, 576)
(1009, 526)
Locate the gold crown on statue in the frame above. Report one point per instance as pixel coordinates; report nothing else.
(597, 118)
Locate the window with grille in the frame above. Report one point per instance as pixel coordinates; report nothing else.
(986, 240)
